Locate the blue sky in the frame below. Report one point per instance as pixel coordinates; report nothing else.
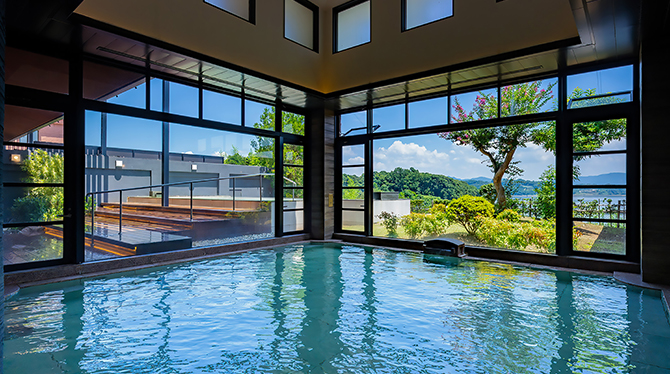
(427, 153)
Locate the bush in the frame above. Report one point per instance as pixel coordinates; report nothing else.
(390, 222)
(413, 224)
(518, 235)
(509, 215)
(435, 224)
(468, 210)
(41, 203)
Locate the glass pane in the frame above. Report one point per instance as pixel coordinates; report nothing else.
(293, 194)
(583, 87)
(428, 112)
(293, 123)
(352, 198)
(422, 183)
(353, 177)
(156, 94)
(599, 203)
(421, 12)
(599, 169)
(40, 72)
(474, 106)
(113, 85)
(353, 155)
(28, 125)
(353, 123)
(529, 98)
(32, 165)
(257, 115)
(134, 95)
(33, 204)
(599, 237)
(294, 220)
(93, 129)
(353, 26)
(609, 135)
(32, 243)
(298, 23)
(294, 154)
(222, 108)
(134, 133)
(293, 177)
(239, 8)
(389, 118)
(183, 100)
(353, 220)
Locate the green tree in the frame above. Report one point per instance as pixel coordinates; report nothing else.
(499, 144)
(546, 193)
(41, 203)
(468, 211)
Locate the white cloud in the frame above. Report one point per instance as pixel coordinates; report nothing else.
(355, 161)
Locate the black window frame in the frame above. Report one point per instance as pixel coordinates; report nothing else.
(403, 15)
(315, 24)
(341, 8)
(252, 11)
(564, 119)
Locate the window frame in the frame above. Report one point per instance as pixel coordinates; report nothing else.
(252, 11)
(341, 8)
(403, 15)
(315, 24)
(564, 119)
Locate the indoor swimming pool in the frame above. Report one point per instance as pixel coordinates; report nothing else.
(331, 308)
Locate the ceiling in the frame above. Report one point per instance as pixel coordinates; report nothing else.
(608, 29)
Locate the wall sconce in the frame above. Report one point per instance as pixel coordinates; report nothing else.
(194, 167)
(15, 157)
(118, 163)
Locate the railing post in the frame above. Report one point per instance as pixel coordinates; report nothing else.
(120, 211)
(93, 206)
(233, 194)
(191, 202)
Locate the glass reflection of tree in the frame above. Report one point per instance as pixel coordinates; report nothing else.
(319, 338)
(502, 319)
(601, 338)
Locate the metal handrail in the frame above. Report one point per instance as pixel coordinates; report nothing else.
(190, 183)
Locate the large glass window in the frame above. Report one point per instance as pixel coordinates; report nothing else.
(183, 100)
(221, 108)
(31, 70)
(294, 188)
(602, 87)
(599, 186)
(475, 106)
(353, 123)
(33, 185)
(245, 9)
(351, 22)
(428, 112)
(492, 187)
(389, 118)
(301, 23)
(420, 12)
(353, 188)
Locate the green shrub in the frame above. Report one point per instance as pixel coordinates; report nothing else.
(540, 234)
(41, 203)
(414, 224)
(435, 224)
(390, 222)
(468, 210)
(509, 215)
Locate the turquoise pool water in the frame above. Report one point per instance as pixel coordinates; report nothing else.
(333, 309)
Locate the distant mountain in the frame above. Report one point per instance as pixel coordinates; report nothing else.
(609, 178)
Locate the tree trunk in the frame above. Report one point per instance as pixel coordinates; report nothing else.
(501, 199)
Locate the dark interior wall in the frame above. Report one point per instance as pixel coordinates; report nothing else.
(2, 126)
(655, 179)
